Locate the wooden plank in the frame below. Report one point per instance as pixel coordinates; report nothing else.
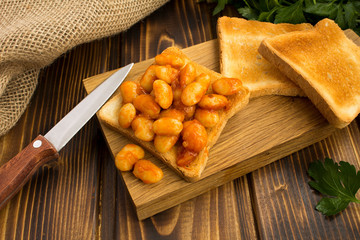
(285, 204)
(265, 134)
(60, 201)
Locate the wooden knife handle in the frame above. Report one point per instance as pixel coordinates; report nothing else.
(16, 172)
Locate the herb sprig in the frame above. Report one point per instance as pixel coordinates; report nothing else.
(346, 13)
(338, 182)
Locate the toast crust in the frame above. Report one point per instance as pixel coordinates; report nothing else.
(325, 64)
(239, 40)
(109, 112)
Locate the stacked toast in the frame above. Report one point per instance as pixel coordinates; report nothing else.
(318, 62)
(269, 59)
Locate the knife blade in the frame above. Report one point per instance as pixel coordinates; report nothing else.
(18, 170)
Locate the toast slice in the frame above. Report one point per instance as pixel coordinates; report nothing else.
(326, 66)
(239, 40)
(109, 115)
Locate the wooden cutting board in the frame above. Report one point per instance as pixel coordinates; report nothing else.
(268, 129)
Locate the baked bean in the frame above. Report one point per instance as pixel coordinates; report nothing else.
(128, 155)
(167, 126)
(134, 149)
(166, 73)
(193, 92)
(213, 102)
(208, 118)
(203, 79)
(143, 128)
(189, 111)
(124, 161)
(194, 136)
(129, 91)
(163, 94)
(185, 157)
(177, 93)
(187, 75)
(164, 143)
(146, 104)
(168, 59)
(227, 86)
(126, 115)
(173, 113)
(148, 78)
(147, 172)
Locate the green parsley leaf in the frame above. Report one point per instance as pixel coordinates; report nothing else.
(331, 206)
(267, 16)
(248, 13)
(346, 13)
(220, 6)
(290, 14)
(339, 182)
(350, 14)
(340, 19)
(321, 9)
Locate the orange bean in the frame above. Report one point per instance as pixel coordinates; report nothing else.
(227, 86)
(167, 126)
(136, 150)
(208, 118)
(168, 59)
(213, 102)
(124, 161)
(128, 156)
(143, 128)
(126, 115)
(203, 79)
(189, 111)
(173, 113)
(163, 94)
(185, 157)
(164, 143)
(177, 93)
(146, 104)
(187, 75)
(194, 136)
(129, 91)
(193, 92)
(148, 78)
(147, 172)
(166, 73)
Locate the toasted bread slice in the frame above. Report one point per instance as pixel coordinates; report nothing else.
(325, 64)
(109, 115)
(239, 40)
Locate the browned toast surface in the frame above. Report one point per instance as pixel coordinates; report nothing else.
(239, 40)
(325, 64)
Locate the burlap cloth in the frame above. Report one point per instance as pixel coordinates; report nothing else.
(33, 33)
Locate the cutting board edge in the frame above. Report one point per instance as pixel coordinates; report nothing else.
(231, 173)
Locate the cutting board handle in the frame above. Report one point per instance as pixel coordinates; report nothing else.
(16, 172)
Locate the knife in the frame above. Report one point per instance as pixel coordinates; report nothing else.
(17, 171)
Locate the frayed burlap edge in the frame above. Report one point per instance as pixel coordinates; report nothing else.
(34, 33)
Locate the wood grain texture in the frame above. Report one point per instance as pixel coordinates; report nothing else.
(284, 199)
(266, 130)
(84, 197)
(61, 200)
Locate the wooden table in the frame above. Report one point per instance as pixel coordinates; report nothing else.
(82, 195)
